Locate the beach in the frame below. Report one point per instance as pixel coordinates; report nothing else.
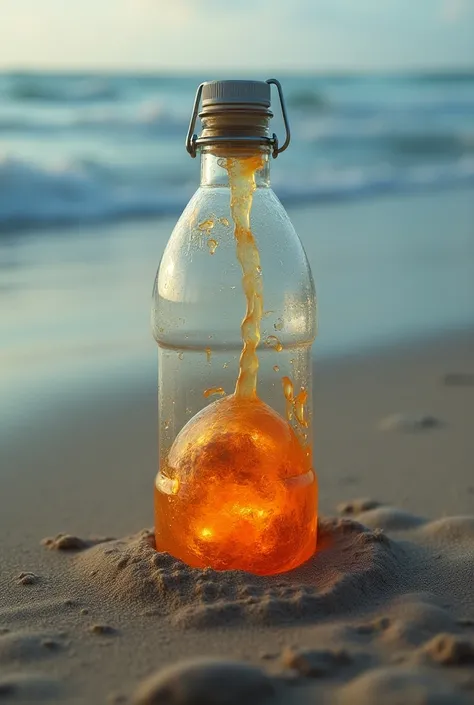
(378, 182)
(383, 611)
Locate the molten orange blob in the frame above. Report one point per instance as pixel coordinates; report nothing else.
(237, 492)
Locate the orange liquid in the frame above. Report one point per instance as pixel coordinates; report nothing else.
(238, 490)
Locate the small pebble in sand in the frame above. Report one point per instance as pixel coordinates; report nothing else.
(103, 630)
(65, 542)
(449, 650)
(357, 506)
(84, 611)
(268, 655)
(315, 662)
(28, 578)
(409, 423)
(209, 681)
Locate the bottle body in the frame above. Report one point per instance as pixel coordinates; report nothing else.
(198, 308)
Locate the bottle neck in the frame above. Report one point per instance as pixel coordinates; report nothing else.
(213, 166)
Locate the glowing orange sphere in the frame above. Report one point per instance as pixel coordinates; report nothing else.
(237, 491)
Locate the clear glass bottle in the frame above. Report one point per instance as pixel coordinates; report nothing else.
(236, 488)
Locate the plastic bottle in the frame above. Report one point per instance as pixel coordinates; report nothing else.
(234, 316)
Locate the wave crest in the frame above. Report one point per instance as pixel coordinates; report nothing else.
(87, 191)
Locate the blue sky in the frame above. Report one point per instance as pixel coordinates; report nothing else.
(191, 35)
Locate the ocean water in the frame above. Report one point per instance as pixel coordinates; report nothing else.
(84, 148)
(378, 181)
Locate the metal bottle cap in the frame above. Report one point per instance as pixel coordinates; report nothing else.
(249, 96)
(248, 93)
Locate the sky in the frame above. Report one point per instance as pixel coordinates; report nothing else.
(245, 35)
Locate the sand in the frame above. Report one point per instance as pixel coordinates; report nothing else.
(383, 613)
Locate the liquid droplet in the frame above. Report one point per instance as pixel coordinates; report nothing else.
(208, 354)
(287, 388)
(180, 356)
(166, 424)
(278, 325)
(212, 245)
(206, 225)
(276, 368)
(273, 342)
(212, 391)
(225, 365)
(299, 407)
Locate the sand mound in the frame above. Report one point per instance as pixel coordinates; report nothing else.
(385, 604)
(206, 682)
(39, 610)
(315, 663)
(451, 529)
(27, 646)
(450, 650)
(352, 566)
(30, 687)
(68, 542)
(408, 621)
(413, 622)
(375, 515)
(400, 686)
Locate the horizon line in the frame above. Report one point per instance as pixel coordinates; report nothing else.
(192, 72)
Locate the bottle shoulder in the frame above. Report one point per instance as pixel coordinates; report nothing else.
(199, 280)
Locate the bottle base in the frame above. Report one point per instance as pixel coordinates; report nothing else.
(248, 534)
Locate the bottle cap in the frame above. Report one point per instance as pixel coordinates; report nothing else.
(245, 93)
(236, 112)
